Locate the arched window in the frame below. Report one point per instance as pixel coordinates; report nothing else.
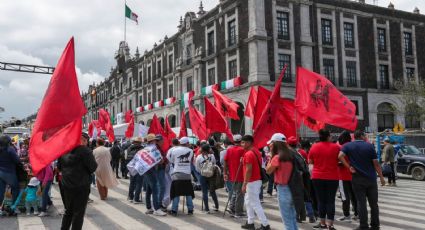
(412, 116)
(172, 120)
(161, 120)
(385, 116)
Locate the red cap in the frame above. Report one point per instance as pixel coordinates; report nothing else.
(292, 140)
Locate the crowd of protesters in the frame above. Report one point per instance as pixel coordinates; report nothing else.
(306, 178)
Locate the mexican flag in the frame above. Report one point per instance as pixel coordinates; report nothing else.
(169, 101)
(158, 104)
(208, 90)
(129, 14)
(139, 109)
(147, 107)
(231, 83)
(186, 98)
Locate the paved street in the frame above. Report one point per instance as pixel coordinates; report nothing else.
(401, 207)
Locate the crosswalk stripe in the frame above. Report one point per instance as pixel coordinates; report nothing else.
(30, 223)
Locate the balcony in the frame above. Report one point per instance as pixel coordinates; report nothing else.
(351, 82)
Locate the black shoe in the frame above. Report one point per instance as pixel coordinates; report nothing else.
(118, 177)
(264, 227)
(312, 220)
(299, 220)
(320, 226)
(172, 213)
(248, 226)
(190, 212)
(331, 228)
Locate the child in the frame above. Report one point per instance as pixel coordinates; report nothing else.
(31, 198)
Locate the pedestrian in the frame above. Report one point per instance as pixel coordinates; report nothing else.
(125, 159)
(46, 178)
(233, 176)
(136, 181)
(166, 201)
(31, 198)
(252, 184)
(281, 167)
(345, 185)
(214, 150)
(161, 170)
(270, 183)
(181, 157)
(116, 156)
(364, 166)
(323, 156)
(151, 179)
(105, 178)
(8, 162)
(205, 165)
(76, 168)
(227, 144)
(388, 157)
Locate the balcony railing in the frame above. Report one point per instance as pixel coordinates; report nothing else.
(351, 82)
(232, 42)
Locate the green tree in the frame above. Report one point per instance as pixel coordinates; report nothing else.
(413, 95)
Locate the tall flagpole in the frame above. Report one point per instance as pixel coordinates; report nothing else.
(125, 20)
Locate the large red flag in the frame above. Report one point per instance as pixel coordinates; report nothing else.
(156, 128)
(197, 123)
(58, 126)
(183, 126)
(214, 121)
(263, 96)
(277, 117)
(94, 124)
(318, 99)
(225, 105)
(128, 115)
(168, 131)
(129, 118)
(310, 123)
(105, 122)
(250, 105)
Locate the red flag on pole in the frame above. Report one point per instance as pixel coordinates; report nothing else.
(105, 122)
(319, 99)
(197, 123)
(250, 105)
(156, 128)
(94, 124)
(58, 126)
(183, 126)
(263, 96)
(225, 105)
(214, 121)
(276, 118)
(128, 115)
(168, 131)
(310, 123)
(129, 118)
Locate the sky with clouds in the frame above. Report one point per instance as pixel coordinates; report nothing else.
(35, 32)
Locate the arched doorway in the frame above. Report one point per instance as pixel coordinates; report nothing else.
(412, 120)
(238, 126)
(385, 116)
(172, 120)
(161, 121)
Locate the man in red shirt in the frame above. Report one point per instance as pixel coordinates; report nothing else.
(233, 175)
(252, 184)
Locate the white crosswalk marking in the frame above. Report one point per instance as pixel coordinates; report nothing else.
(400, 208)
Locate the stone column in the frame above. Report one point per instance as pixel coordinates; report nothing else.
(306, 39)
(373, 121)
(248, 126)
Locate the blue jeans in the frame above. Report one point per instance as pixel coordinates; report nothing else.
(8, 179)
(196, 174)
(152, 189)
(309, 209)
(176, 200)
(205, 189)
(229, 186)
(161, 184)
(45, 199)
(135, 187)
(286, 206)
(270, 184)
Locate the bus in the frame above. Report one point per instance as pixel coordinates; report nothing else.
(20, 131)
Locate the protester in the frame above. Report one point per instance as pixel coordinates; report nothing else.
(214, 150)
(323, 156)
(125, 158)
(31, 197)
(76, 168)
(205, 164)
(166, 201)
(364, 165)
(281, 167)
(46, 178)
(116, 156)
(8, 162)
(227, 144)
(105, 178)
(270, 184)
(345, 185)
(161, 170)
(136, 181)
(233, 176)
(181, 157)
(388, 157)
(252, 184)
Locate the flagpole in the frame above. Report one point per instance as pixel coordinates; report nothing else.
(125, 20)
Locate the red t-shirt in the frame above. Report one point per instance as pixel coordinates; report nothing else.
(250, 158)
(325, 160)
(343, 172)
(283, 171)
(303, 153)
(233, 159)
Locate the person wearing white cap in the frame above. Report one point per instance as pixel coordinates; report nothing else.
(181, 158)
(31, 198)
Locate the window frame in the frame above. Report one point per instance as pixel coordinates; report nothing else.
(408, 43)
(283, 31)
(329, 65)
(231, 33)
(327, 33)
(349, 41)
(351, 69)
(382, 40)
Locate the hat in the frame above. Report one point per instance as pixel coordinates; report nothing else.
(150, 137)
(184, 140)
(159, 137)
(237, 138)
(85, 135)
(292, 140)
(137, 139)
(387, 139)
(34, 182)
(277, 137)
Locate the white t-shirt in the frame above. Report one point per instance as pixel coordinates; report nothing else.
(200, 160)
(181, 158)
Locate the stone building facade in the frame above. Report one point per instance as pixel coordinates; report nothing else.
(363, 49)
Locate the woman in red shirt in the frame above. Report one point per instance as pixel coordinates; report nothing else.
(323, 156)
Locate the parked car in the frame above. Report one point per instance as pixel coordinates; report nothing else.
(411, 161)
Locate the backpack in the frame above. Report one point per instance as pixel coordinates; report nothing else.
(207, 168)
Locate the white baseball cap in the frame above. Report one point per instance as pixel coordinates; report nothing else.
(237, 138)
(34, 182)
(184, 140)
(277, 137)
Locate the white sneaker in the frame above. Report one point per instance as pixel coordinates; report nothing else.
(42, 214)
(159, 212)
(35, 213)
(28, 214)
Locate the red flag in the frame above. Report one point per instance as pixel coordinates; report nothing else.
(225, 105)
(156, 128)
(183, 127)
(129, 118)
(318, 99)
(250, 105)
(57, 129)
(263, 96)
(310, 123)
(168, 131)
(105, 122)
(277, 117)
(214, 121)
(94, 124)
(197, 123)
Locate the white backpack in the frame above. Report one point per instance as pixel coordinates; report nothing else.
(207, 168)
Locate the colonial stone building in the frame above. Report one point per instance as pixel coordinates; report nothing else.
(363, 49)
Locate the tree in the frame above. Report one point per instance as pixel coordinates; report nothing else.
(412, 95)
